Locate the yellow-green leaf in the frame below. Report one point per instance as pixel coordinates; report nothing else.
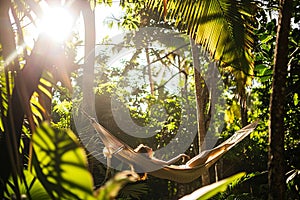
(223, 27)
(60, 164)
(209, 191)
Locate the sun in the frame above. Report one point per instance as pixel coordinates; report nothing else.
(56, 23)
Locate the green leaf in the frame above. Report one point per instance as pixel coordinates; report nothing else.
(223, 27)
(267, 39)
(112, 187)
(1, 126)
(268, 72)
(35, 188)
(209, 191)
(44, 90)
(60, 164)
(296, 99)
(260, 67)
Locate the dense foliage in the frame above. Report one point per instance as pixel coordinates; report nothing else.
(42, 152)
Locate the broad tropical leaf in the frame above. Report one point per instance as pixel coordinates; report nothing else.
(31, 188)
(212, 189)
(60, 164)
(223, 27)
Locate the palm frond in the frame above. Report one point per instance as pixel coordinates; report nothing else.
(222, 27)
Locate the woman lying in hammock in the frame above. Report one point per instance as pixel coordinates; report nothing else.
(188, 172)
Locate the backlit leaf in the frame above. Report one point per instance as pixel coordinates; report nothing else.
(34, 188)
(209, 191)
(60, 164)
(224, 28)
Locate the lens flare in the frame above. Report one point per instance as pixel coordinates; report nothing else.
(56, 23)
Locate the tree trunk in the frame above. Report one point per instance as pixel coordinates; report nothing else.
(89, 57)
(243, 106)
(149, 72)
(201, 97)
(201, 92)
(276, 163)
(88, 101)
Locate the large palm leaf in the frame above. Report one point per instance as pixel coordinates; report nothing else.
(223, 27)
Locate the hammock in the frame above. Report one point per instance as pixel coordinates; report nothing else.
(186, 173)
